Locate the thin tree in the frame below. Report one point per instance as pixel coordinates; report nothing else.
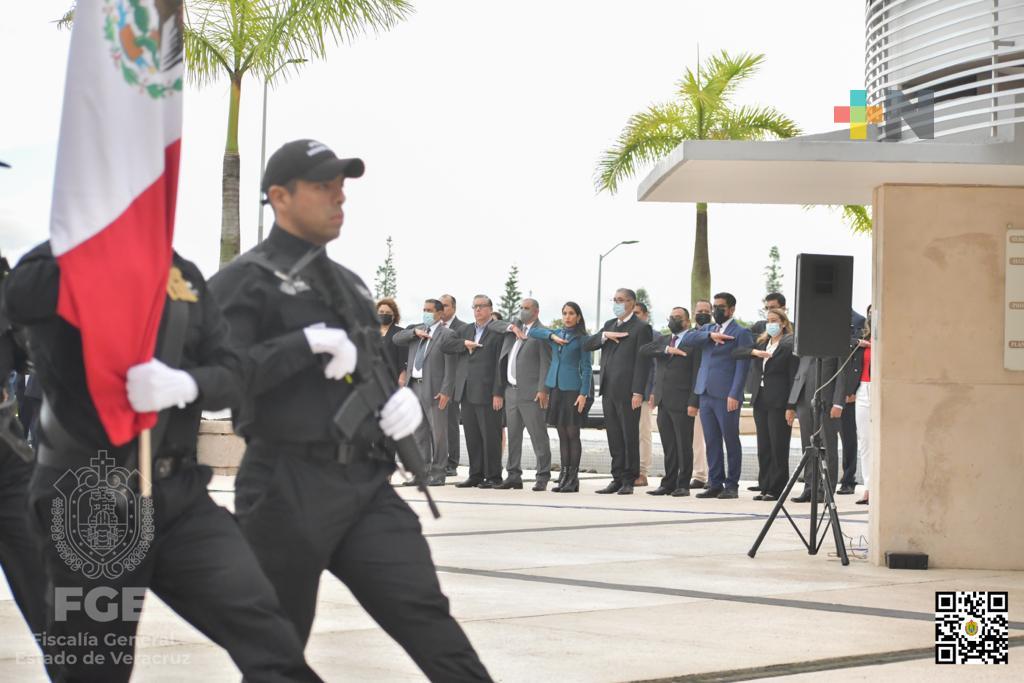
(385, 285)
(512, 297)
(772, 274)
(642, 297)
(234, 38)
(702, 110)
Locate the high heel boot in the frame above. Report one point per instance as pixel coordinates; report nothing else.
(572, 481)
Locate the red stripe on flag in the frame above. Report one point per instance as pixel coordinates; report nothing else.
(115, 283)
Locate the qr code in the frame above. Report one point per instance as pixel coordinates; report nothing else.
(971, 628)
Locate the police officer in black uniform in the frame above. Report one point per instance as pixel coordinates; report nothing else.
(19, 554)
(306, 499)
(197, 560)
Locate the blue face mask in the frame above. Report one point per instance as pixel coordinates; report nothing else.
(428, 319)
(773, 329)
(618, 309)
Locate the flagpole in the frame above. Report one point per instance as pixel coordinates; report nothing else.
(145, 464)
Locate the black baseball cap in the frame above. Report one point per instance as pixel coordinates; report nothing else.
(307, 160)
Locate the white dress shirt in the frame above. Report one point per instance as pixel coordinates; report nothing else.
(418, 374)
(511, 373)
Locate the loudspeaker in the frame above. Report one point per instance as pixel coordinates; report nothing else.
(824, 296)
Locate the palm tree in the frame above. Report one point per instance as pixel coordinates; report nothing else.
(235, 37)
(702, 110)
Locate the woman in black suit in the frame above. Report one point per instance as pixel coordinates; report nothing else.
(774, 369)
(387, 311)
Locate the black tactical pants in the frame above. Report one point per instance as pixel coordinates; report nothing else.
(198, 563)
(304, 513)
(19, 551)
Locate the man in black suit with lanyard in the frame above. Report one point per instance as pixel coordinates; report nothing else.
(624, 374)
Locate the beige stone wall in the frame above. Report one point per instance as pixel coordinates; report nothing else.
(948, 420)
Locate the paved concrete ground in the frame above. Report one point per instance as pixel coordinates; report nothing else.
(582, 587)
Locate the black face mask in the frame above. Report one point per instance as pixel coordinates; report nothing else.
(386, 319)
(703, 318)
(720, 316)
(675, 325)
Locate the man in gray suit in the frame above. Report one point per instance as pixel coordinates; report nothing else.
(432, 377)
(524, 363)
(800, 407)
(452, 322)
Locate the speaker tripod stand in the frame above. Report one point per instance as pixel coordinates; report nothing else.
(813, 464)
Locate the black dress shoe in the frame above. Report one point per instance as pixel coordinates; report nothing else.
(753, 488)
(768, 496)
(509, 484)
(660, 491)
(626, 489)
(680, 493)
(409, 482)
(710, 492)
(436, 481)
(728, 493)
(468, 483)
(540, 485)
(697, 484)
(846, 490)
(451, 472)
(492, 484)
(613, 487)
(759, 497)
(862, 501)
(805, 497)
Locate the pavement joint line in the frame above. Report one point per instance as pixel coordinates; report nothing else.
(812, 666)
(743, 515)
(610, 525)
(708, 595)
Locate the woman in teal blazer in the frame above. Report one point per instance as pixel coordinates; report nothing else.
(569, 383)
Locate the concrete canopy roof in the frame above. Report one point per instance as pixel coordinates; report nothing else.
(809, 171)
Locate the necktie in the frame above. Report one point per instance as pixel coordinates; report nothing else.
(421, 351)
(674, 340)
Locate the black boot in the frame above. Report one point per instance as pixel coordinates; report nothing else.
(561, 478)
(572, 481)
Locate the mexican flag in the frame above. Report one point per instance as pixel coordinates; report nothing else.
(112, 220)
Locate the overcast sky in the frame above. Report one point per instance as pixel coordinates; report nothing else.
(481, 123)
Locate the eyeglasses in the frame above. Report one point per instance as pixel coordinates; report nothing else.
(619, 301)
(479, 306)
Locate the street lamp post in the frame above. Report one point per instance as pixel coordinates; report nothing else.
(263, 145)
(600, 260)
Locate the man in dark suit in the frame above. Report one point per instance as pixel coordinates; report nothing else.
(431, 374)
(623, 380)
(479, 389)
(848, 433)
(452, 322)
(720, 383)
(523, 363)
(800, 406)
(674, 376)
(772, 301)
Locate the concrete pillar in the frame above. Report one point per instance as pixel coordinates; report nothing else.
(947, 420)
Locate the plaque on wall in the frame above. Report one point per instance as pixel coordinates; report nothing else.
(1013, 351)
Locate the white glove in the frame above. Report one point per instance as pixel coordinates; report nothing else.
(154, 386)
(401, 415)
(335, 342)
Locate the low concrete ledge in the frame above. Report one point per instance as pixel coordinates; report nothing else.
(219, 447)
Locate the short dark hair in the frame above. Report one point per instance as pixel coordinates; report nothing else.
(704, 301)
(730, 300)
(484, 296)
(450, 297)
(777, 296)
(642, 307)
(684, 309)
(628, 292)
(436, 303)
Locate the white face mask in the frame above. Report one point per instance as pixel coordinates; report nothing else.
(773, 329)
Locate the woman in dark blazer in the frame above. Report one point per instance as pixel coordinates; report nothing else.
(774, 369)
(387, 311)
(569, 383)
